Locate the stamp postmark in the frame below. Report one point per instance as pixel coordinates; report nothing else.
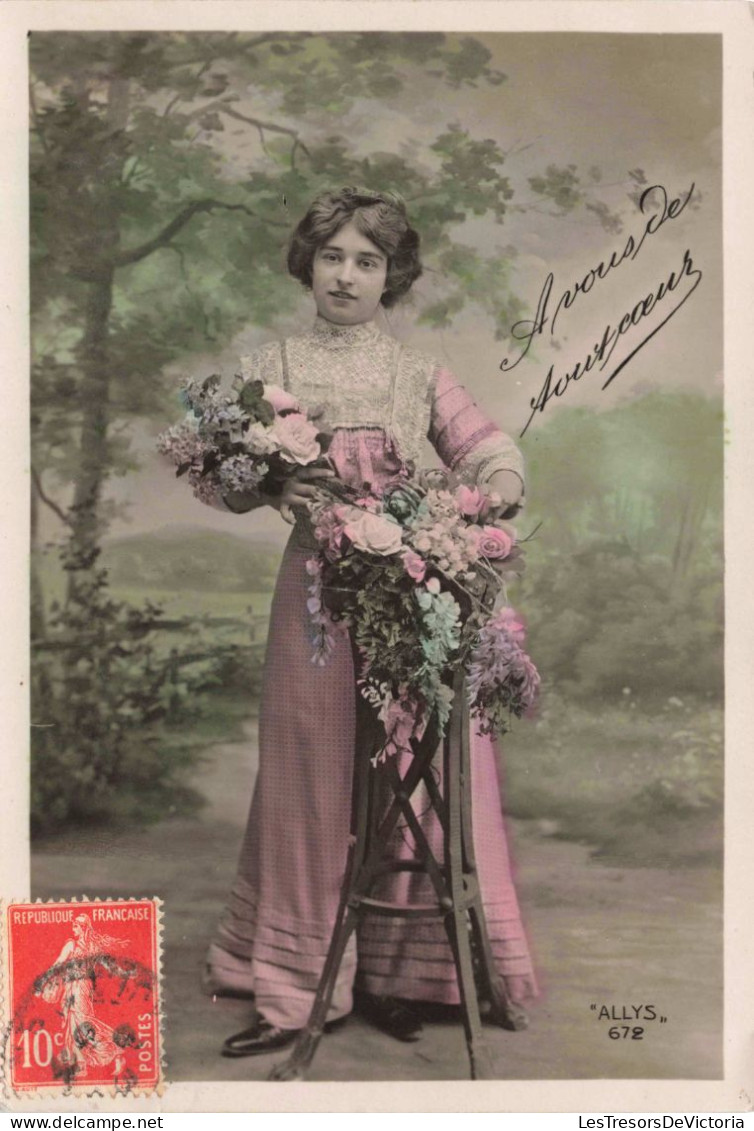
(82, 997)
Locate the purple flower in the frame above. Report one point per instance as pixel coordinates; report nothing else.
(501, 676)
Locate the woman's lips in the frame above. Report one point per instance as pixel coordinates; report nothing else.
(342, 294)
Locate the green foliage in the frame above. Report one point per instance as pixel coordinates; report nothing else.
(560, 185)
(473, 167)
(103, 695)
(604, 619)
(624, 580)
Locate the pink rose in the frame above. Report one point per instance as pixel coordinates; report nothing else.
(373, 533)
(280, 400)
(328, 530)
(415, 565)
(297, 437)
(470, 500)
(494, 543)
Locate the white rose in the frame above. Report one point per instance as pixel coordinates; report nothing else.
(375, 534)
(297, 438)
(261, 439)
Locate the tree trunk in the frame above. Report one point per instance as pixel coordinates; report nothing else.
(95, 392)
(93, 352)
(36, 592)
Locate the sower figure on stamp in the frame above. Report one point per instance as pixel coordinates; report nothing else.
(87, 1042)
(356, 251)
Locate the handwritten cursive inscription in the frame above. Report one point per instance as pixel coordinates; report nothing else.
(663, 210)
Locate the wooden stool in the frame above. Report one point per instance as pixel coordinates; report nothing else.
(454, 878)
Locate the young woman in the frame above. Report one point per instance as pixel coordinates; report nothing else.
(356, 251)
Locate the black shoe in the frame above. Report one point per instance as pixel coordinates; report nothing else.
(391, 1016)
(260, 1038)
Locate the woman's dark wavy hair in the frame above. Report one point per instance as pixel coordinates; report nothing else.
(380, 216)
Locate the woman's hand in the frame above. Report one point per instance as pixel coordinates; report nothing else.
(508, 485)
(299, 490)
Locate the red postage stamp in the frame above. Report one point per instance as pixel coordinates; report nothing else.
(82, 996)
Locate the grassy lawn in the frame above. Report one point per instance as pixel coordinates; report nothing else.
(643, 783)
(202, 603)
(243, 607)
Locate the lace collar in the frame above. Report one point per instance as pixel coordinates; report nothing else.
(332, 336)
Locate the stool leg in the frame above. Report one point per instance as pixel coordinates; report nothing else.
(305, 1045)
(480, 1061)
(503, 1011)
(456, 922)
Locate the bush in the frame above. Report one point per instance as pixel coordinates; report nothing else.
(104, 700)
(609, 618)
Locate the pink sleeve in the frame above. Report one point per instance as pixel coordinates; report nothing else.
(466, 440)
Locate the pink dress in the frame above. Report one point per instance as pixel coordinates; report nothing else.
(381, 401)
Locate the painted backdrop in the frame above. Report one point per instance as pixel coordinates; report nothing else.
(567, 189)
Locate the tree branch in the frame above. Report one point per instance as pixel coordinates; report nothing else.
(270, 37)
(206, 64)
(259, 123)
(47, 500)
(172, 104)
(163, 238)
(263, 142)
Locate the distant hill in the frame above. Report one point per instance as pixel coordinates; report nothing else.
(187, 557)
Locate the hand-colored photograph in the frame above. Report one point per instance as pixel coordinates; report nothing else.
(377, 542)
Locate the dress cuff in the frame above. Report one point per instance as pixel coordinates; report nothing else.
(494, 453)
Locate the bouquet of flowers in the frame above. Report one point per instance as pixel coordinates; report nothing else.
(415, 574)
(251, 440)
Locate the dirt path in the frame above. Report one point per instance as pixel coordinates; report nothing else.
(602, 935)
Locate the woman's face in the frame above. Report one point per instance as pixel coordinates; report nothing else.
(348, 277)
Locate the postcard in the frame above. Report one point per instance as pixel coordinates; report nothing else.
(382, 340)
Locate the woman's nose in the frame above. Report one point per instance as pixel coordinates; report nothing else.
(345, 272)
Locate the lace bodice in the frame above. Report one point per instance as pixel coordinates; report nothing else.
(358, 376)
(382, 400)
